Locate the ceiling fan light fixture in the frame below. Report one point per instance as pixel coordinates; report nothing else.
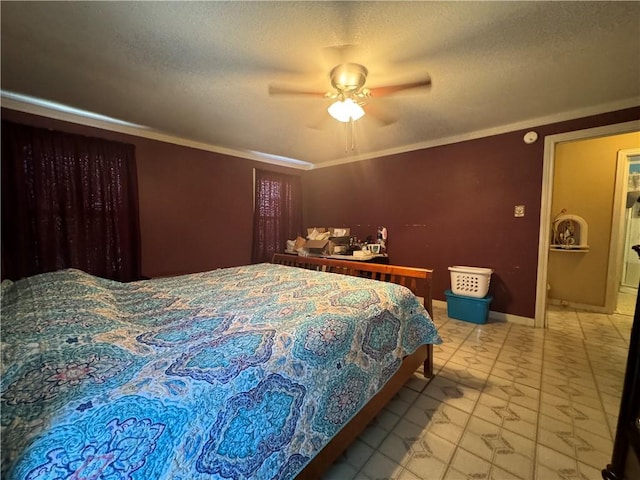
(345, 110)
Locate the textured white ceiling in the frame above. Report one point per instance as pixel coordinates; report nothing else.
(200, 70)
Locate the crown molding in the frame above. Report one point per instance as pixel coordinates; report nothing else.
(20, 103)
(60, 112)
(522, 125)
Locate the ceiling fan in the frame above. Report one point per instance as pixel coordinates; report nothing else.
(349, 91)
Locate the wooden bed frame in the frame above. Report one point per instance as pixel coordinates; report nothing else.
(418, 280)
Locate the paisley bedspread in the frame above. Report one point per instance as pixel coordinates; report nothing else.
(241, 373)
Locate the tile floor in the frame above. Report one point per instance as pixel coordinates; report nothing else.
(507, 402)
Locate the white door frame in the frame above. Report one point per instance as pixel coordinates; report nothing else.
(548, 166)
(614, 272)
(619, 221)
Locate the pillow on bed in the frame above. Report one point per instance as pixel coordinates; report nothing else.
(66, 301)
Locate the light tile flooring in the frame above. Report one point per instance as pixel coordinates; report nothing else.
(507, 402)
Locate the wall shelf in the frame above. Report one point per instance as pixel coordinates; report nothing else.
(573, 249)
(570, 234)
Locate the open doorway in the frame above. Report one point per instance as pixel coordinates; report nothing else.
(613, 270)
(629, 168)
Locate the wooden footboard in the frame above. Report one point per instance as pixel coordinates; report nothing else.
(418, 280)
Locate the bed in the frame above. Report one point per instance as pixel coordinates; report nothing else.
(262, 371)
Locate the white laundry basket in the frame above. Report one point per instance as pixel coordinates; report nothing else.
(470, 281)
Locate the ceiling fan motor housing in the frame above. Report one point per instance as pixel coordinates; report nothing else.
(348, 77)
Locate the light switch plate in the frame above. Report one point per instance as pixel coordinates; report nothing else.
(518, 211)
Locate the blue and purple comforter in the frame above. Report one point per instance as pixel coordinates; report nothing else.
(239, 373)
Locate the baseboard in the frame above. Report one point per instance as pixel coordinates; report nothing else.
(498, 316)
(508, 317)
(579, 306)
(628, 289)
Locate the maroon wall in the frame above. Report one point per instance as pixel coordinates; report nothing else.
(196, 207)
(448, 205)
(451, 205)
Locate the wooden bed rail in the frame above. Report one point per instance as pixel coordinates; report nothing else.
(418, 280)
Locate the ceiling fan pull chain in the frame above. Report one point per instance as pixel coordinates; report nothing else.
(353, 140)
(348, 136)
(351, 135)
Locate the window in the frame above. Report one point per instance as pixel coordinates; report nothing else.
(277, 213)
(68, 201)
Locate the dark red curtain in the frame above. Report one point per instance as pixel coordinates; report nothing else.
(277, 213)
(68, 201)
